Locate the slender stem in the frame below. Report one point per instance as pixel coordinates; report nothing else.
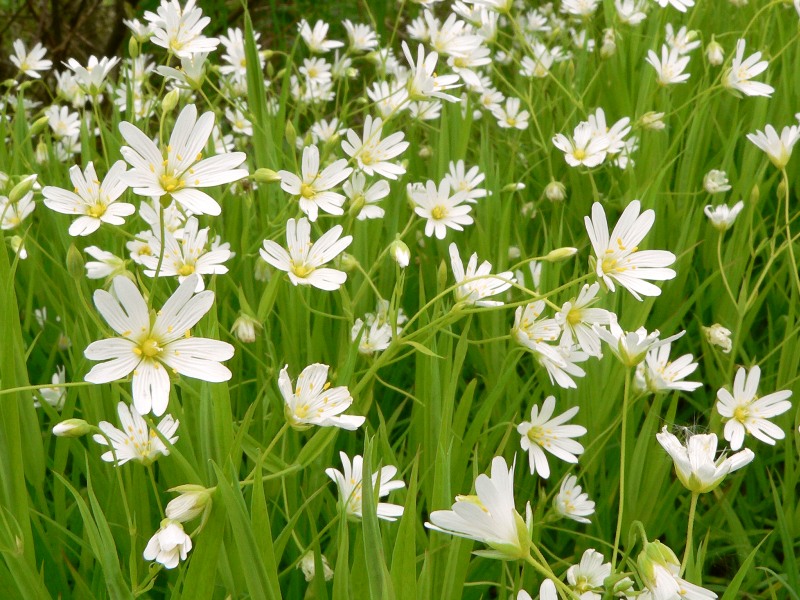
(623, 447)
(689, 531)
(793, 263)
(275, 440)
(722, 271)
(547, 572)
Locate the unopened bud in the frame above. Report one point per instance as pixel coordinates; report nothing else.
(400, 253)
(19, 191)
(348, 262)
(653, 120)
(714, 53)
(425, 152)
(555, 191)
(755, 194)
(133, 48)
(441, 277)
(244, 328)
(18, 246)
(560, 254)
(170, 101)
(291, 134)
(192, 502)
(75, 262)
(781, 189)
(264, 175)
(513, 187)
(39, 125)
(71, 428)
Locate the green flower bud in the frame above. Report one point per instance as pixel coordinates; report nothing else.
(72, 428)
(19, 191)
(75, 262)
(264, 175)
(170, 101)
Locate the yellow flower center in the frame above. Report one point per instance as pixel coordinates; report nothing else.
(186, 270)
(574, 316)
(148, 348)
(170, 183)
(579, 153)
(366, 157)
(96, 210)
(741, 413)
(609, 265)
(537, 435)
(439, 212)
(306, 191)
(302, 270)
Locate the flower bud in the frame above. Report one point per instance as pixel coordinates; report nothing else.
(308, 566)
(425, 152)
(555, 191)
(714, 53)
(720, 336)
(348, 262)
(653, 120)
(39, 126)
(71, 428)
(192, 502)
(18, 246)
(441, 277)
(609, 47)
(19, 191)
(75, 262)
(133, 48)
(655, 554)
(560, 254)
(244, 328)
(170, 101)
(755, 194)
(513, 187)
(290, 133)
(400, 253)
(514, 253)
(264, 175)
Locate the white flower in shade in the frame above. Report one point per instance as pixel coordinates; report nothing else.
(631, 347)
(187, 256)
(30, 61)
(315, 38)
(489, 516)
(696, 462)
(363, 198)
(313, 188)
(362, 38)
(744, 412)
(475, 284)
(135, 441)
(372, 154)
(572, 502)
(95, 202)
(720, 336)
(545, 433)
(12, 214)
(376, 336)
(92, 77)
(107, 264)
(614, 135)
(681, 5)
(659, 374)
(54, 396)
(422, 81)
(743, 69)
(179, 30)
(510, 116)
(191, 73)
(181, 169)
(193, 501)
(169, 545)
(586, 578)
(586, 147)
(440, 208)
(778, 149)
(148, 346)
(618, 258)
(578, 318)
(670, 67)
(716, 182)
(313, 402)
(308, 566)
(579, 8)
(722, 217)
(467, 181)
(561, 363)
(531, 331)
(630, 12)
(304, 259)
(62, 122)
(351, 492)
(684, 41)
(659, 570)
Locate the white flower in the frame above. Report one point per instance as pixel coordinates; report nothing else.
(169, 545)
(614, 135)
(744, 412)
(476, 283)
(630, 12)
(307, 565)
(187, 256)
(489, 516)
(586, 147)
(179, 30)
(54, 396)
(376, 337)
(95, 202)
(717, 335)
(684, 41)
(723, 217)
(659, 570)
(373, 154)
(12, 214)
(92, 77)
(313, 189)
(579, 8)
(681, 5)
(350, 490)
(696, 464)
(363, 198)
(149, 346)
(561, 363)
(510, 117)
(304, 259)
(62, 122)
(193, 501)
(181, 169)
(315, 38)
(578, 319)
(631, 347)
(778, 149)
(743, 70)
(422, 81)
(107, 264)
(468, 181)
(658, 374)
(571, 502)
(30, 61)
(135, 441)
(313, 402)
(244, 328)
(586, 578)
(670, 68)
(618, 258)
(716, 182)
(440, 208)
(543, 433)
(530, 331)
(362, 38)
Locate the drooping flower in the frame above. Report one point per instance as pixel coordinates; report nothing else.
(304, 259)
(572, 502)
(313, 402)
(659, 570)
(169, 545)
(181, 169)
(720, 336)
(475, 284)
(696, 463)
(193, 501)
(716, 182)
(722, 216)
(545, 433)
(313, 188)
(618, 258)
(107, 265)
(147, 346)
(135, 441)
(743, 70)
(489, 516)
(744, 412)
(95, 202)
(351, 493)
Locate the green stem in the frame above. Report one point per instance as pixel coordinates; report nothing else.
(793, 263)
(689, 531)
(545, 570)
(249, 479)
(623, 447)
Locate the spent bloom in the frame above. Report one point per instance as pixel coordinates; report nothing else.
(696, 463)
(30, 61)
(545, 433)
(743, 70)
(303, 261)
(313, 187)
(670, 67)
(151, 345)
(54, 396)
(743, 411)
(475, 284)
(716, 182)
(350, 490)
(192, 502)
(169, 545)
(778, 149)
(572, 502)
(618, 258)
(181, 169)
(723, 216)
(308, 566)
(720, 336)
(312, 400)
(489, 516)
(135, 441)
